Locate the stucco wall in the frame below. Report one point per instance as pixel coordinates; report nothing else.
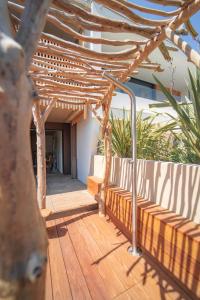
(87, 136)
(120, 101)
(171, 185)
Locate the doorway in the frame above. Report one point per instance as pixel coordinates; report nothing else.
(54, 150)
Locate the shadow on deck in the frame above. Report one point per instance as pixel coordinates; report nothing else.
(88, 256)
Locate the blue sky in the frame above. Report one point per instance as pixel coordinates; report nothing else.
(195, 19)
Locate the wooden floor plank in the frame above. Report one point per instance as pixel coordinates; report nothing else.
(142, 269)
(60, 283)
(76, 278)
(116, 246)
(155, 288)
(89, 260)
(105, 267)
(93, 279)
(108, 251)
(48, 284)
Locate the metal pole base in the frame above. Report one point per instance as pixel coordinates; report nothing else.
(134, 251)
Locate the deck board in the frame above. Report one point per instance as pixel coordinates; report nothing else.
(89, 260)
(88, 256)
(76, 278)
(90, 271)
(60, 283)
(48, 290)
(64, 193)
(105, 268)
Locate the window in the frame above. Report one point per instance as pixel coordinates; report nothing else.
(147, 90)
(142, 88)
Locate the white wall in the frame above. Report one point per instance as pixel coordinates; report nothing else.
(171, 185)
(120, 101)
(88, 132)
(87, 137)
(59, 152)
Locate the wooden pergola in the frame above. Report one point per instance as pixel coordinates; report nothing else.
(47, 65)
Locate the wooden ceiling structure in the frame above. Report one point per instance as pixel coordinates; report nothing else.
(65, 69)
(67, 73)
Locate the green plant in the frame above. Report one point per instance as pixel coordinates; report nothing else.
(121, 135)
(150, 144)
(186, 126)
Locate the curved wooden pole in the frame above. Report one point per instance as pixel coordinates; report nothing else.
(23, 249)
(41, 160)
(123, 9)
(107, 170)
(191, 54)
(39, 119)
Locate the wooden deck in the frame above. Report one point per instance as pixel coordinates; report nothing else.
(88, 256)
(64, 193)
(88, 259)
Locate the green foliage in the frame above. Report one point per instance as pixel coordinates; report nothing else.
(151, 144)
(186, 126)
(121, 133)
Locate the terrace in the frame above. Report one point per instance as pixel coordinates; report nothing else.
(51, 78)
(88, 257)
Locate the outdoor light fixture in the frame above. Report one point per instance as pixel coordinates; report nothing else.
(133, 249)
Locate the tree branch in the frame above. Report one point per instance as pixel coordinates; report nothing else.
(32, 24)
(48, 109)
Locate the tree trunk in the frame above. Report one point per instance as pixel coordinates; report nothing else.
(23, 241)
(41, 159)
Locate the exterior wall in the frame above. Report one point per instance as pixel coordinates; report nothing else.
(173, 186)
(121, 101)
(88, 131)
(87, 137)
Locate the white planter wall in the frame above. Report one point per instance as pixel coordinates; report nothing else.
(171, 185)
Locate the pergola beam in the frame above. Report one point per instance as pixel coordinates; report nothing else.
(189, 9)
(39, 119)
(192, 55)
(32, 24)
(184, 15)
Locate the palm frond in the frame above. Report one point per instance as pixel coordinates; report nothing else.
(188, 113)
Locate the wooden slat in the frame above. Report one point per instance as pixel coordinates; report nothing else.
(93, 279)
(142, 269)
(94, 185)
(112, 282)
(77, 281)
(60, 283)
(48, 284)
(113, 251)
(174, 241)
(89, 260)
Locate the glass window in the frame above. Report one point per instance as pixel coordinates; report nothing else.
(142, 88)
(146, 90)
